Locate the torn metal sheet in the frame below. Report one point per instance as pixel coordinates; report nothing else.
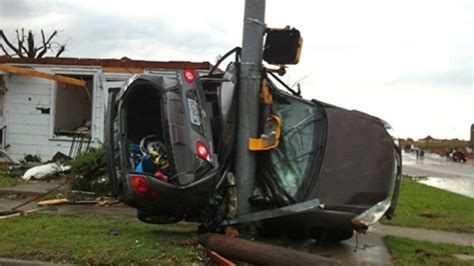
(267, 214)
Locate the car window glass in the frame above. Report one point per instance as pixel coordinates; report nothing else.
(291, 159)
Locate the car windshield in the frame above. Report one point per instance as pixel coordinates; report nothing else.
(291, 162)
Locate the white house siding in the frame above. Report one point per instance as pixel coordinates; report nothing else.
(27, 129)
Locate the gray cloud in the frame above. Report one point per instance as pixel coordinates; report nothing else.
(16, 8)
(29, 9)
(97, 33)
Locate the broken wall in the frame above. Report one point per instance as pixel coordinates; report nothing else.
(73, 106)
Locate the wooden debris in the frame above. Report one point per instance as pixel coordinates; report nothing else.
(17, 213)
(78, 202)
(107, 202)
(44, 75)
(188, 242)
(219, 260)
(53, 202)
(259, 253)
(231, 231)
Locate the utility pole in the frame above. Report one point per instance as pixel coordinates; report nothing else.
(248, 101)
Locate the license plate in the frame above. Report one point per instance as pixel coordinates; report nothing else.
(194, 112)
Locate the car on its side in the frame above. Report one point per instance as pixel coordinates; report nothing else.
(170, 143)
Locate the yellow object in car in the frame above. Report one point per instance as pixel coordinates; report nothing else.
(270, 137)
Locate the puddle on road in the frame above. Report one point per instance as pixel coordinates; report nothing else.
(461, 186)
(451, 176)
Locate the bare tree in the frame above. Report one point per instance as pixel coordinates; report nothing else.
(27, 48)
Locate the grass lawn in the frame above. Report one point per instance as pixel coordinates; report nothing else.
(96, 240)
(432, 208)
(6, 181)
(441, 144)
(406, 251)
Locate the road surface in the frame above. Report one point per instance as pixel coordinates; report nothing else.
(451, 176)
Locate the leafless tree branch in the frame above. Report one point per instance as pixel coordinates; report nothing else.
(4, 50)
(61, 50)
(26, 47)
(9, 44)
(31, 45)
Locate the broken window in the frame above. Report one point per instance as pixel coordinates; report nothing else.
(73, 108)
(291, 164)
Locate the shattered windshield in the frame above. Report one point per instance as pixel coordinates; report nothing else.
(291, 161)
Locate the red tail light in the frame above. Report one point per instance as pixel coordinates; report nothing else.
(189, 75)
(202, 151)
(140, 184)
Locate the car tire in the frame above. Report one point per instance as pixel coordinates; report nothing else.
(150, 218)
(331, 235)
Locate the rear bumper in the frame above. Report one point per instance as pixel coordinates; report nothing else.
(164, 199)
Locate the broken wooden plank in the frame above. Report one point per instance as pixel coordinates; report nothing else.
(259, 253)
(107, 202)
(17, 213)
(77, 202)
(53, 202)
(219, 260)
(44, 75)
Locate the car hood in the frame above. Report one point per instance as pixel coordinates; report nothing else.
(358, 160)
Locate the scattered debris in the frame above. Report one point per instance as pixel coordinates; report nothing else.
(31, 158)
(85, 128)
(231, 231)
(219, 260)
(12, 213)
(61, 157)
(188, 242)
(77, 202)
(113, 232)
(45, 170)
(83, 192)
(52, 202)
(259, 253)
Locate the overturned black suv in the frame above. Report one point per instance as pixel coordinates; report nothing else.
(170, 148)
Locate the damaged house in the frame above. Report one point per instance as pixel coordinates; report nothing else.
(43, 111)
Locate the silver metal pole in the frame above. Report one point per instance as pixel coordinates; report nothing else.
(250, 79)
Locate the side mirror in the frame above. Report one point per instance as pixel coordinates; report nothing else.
(283, 46)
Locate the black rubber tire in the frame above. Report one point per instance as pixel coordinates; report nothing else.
(149, 218)
(331, 235)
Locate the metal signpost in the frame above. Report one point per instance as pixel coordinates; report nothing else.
(248, 110)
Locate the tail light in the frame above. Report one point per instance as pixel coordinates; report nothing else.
(202, 151)
(189, 75)
(140, 184)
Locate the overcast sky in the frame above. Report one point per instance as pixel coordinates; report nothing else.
(408, 62)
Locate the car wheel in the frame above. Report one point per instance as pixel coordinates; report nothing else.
(331, 235)
(150, 218)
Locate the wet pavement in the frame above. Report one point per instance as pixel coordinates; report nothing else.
(435, 236)
(30, 189)
(451, 176)
(362, 249)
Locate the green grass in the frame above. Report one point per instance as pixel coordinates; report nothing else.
(92, 239)
(432, 208)
(406, 251)
(441, 144)
(6, 181)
